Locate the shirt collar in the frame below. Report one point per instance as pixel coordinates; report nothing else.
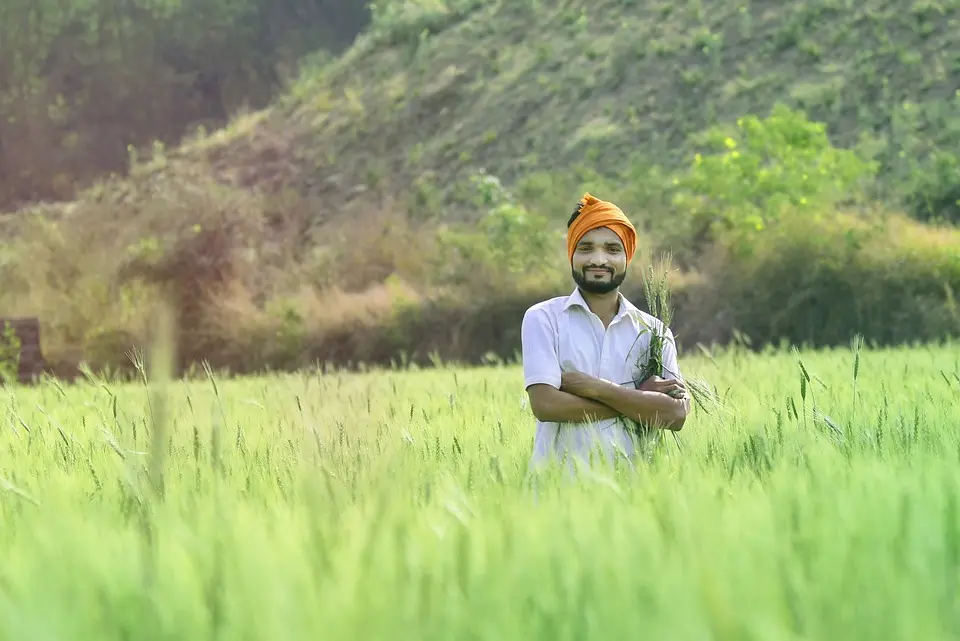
(576, 300)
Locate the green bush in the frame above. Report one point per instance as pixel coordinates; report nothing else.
(820, 280)
(753, 172)
(9, 355)
(510, 247)
(934, 191)
(639, 188)
(922, 172)
(396, 22)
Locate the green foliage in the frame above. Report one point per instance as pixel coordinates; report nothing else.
(935, 191)
(290, 333)
(638, 187)
(820, 280)
(509, 243)
(411, 22)
(9, 355)
(607, 85)
(763, 167)
(923, 148)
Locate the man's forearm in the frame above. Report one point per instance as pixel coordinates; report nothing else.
(651, 408)
(562, 407)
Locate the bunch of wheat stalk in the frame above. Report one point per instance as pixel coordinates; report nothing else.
(656, 290)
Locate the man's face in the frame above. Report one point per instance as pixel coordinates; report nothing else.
(599, 261)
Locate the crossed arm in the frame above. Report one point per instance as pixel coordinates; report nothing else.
(585, 398)
(576, 397)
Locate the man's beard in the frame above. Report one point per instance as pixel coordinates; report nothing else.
(597, 287)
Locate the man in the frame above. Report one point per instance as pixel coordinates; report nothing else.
(581, 352)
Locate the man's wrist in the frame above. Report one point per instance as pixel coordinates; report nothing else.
(610, 393)
(601, 390)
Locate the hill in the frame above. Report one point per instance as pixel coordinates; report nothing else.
(81, 82)
(301, 229)
(430, 95)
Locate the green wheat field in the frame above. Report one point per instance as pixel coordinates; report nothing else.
(812, 502)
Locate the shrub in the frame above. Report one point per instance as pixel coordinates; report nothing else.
(638, 187)
(820, 280)
(934, 190)
(508, 250)
(94, 273)
(924, 174)
(396, 22)
(9, 354)
(755, 171)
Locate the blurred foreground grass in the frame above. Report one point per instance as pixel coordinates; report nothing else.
(396, 505)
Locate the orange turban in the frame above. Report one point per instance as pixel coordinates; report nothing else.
(595, 213)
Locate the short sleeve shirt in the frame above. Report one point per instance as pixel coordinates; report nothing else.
(562, 334)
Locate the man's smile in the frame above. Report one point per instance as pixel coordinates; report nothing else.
(598, 271)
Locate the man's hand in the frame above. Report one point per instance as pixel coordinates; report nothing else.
(672, 388)
(579, 384)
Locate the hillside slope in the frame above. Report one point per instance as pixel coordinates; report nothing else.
(520, 88)
(429, 96)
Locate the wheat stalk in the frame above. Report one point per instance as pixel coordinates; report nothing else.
(656, 290)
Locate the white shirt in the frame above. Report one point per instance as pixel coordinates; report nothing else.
(562, 334)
